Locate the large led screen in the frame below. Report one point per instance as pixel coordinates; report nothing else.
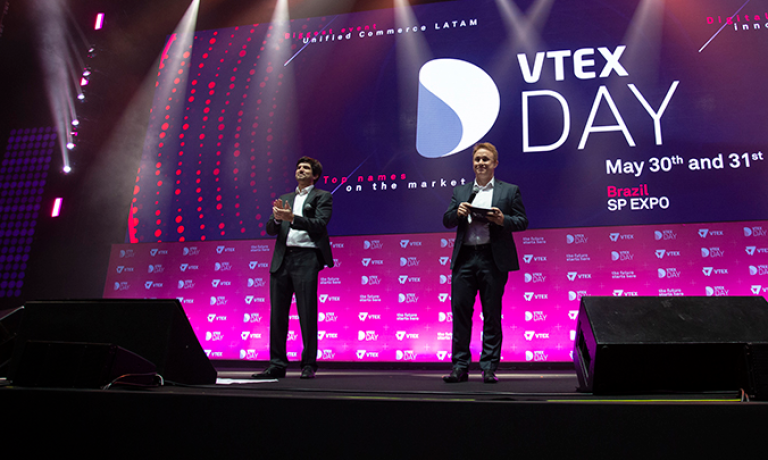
(605, 113)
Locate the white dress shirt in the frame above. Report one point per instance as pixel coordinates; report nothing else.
(300, 238)
(479, 232)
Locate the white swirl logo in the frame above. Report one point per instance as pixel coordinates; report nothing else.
(458, 104)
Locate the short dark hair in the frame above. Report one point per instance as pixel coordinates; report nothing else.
(487, 146)
(317, 168)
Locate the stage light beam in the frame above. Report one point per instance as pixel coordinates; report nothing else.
(60, 38)
(524, 29)
(412, 52)
(131, 129)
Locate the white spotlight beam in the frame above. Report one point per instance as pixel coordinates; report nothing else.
(524, 28)
(57, 60)
(179, 43)
(120, 150)
(412, 50)
(277, 46)
(643, 36)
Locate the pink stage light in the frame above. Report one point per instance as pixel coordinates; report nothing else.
(56, 208)
(99, 21)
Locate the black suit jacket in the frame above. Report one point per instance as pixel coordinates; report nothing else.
(505, 197)
(317, 211)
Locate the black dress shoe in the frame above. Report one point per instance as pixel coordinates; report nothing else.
(272, 372)
(307, 373)
(490, 377)
(457, 375)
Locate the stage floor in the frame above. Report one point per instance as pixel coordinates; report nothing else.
(514, 385)
(409, 385)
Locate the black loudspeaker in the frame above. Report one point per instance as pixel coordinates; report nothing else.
(9, 328)
(156, 330)
(80, 365)
(644, 345)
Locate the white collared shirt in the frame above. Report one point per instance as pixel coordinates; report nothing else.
(480, 232)
(300, 238)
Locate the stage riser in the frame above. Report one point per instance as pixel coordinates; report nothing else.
(202, 424)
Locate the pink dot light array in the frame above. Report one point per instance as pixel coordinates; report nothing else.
(210, 143)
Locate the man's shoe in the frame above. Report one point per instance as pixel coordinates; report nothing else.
(490, 377)
(272, 372)
(457, 375)
(307, 373)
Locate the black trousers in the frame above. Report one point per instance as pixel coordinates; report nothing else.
(474, 272)
(297, 275)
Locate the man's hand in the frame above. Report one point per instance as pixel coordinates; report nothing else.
(496, 216)
(463, 210)
(282, 211)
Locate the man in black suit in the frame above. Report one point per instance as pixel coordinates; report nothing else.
(483, 255)
(299, 219)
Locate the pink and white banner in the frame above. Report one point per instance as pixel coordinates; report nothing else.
(388, 298)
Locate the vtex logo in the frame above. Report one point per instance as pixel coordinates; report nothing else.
(458, 104)
(529, 335)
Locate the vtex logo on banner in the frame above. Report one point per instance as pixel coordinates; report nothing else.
(458, 104)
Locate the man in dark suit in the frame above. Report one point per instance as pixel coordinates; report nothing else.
(299, 219)
(486, 213)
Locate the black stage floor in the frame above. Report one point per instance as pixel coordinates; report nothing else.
(514, 385)
(365, 413)
(408, 384)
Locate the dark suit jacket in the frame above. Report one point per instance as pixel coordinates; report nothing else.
(317, 213)
(505, 197)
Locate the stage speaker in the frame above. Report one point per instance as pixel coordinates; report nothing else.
(646, 345)
(9, 328)
(81, 365)
(156, 330)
